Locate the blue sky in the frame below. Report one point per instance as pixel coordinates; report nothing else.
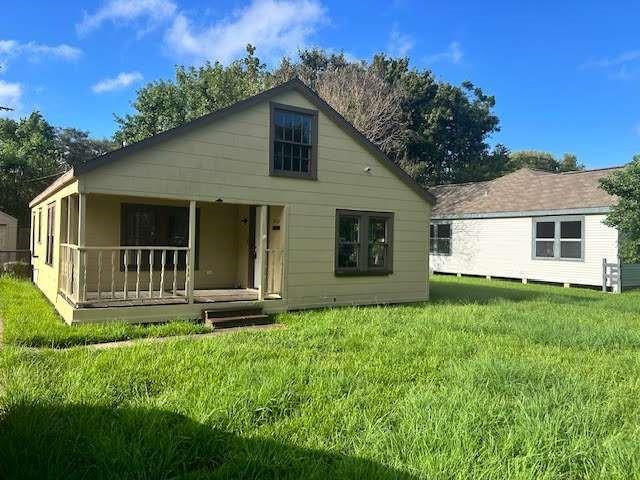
(566, 75)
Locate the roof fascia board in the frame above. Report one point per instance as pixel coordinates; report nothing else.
(528, 213)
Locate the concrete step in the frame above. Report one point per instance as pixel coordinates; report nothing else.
(235, 319)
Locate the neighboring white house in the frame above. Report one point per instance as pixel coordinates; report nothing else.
(529, 225)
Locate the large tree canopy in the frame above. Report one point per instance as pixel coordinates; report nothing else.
(437, 131)
(33, 153)
(625, 216)
(543, 161)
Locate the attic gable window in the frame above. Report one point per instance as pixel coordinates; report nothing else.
(293, 142)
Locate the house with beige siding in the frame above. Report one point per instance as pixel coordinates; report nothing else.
(529, 225)
(274, 203)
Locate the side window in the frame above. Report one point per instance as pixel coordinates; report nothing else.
(33, 233)
(364, 243)
(558, 238)
(40, 225)
(294, 142)
(440, 238)
(51, 223)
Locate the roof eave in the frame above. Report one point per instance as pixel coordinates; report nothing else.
(60, 182)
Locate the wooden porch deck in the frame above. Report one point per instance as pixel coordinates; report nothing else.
(199, 296)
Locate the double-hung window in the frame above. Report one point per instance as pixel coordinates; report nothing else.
(51, 222)
(157, 226)
(40, 225)
(440, 238)
(363, 243)
(294, 142)
(558, 238)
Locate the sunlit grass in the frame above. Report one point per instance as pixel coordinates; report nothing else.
(29, 320)
(488, 380)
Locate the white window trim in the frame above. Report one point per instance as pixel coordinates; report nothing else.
(434, 240)
(557, 240)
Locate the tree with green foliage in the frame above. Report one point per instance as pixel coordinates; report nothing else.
(543, 161)
(75, 146)
(33, 153)
(437, 131)
(164, 104)
(625, 216)
(28, 162)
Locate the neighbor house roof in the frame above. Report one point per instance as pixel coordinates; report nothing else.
(525, 190)
(267, 95)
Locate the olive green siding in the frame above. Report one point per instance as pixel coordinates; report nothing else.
(228, 161)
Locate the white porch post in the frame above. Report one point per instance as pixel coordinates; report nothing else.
(81, 274)
(192, 250)
(262, 250)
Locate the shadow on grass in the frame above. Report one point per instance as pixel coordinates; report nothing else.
(80, 441)
(452, 291)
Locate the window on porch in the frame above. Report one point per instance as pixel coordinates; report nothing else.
(158, 225)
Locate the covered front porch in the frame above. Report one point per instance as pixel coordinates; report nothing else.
(119, 252)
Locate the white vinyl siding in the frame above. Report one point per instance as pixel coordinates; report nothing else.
(502, 247)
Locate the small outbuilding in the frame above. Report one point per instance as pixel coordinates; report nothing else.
(8, 232)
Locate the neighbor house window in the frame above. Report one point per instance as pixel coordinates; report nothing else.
(440, 238)
(559, 238)
(51, 222)
(294, 141)
(157, 226)
(363, 243)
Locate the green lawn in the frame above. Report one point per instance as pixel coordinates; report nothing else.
(29, 320)
(489, 380)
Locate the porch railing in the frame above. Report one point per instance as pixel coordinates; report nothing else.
(106, 274)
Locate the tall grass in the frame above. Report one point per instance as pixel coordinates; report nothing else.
(29, 320)
(488, 380)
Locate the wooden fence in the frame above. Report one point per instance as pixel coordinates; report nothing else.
(619, 276)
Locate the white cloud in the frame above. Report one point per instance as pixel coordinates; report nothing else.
(453, 54)
(617, 61)
(621, 67)
(10, 96)
(150, 12)
(399, 43)
(119, 82)
(33, 51)
(275, 27)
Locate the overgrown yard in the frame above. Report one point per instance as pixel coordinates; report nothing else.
(29, 320)
(489, 380)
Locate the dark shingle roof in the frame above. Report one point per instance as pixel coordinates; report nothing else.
(525, 190)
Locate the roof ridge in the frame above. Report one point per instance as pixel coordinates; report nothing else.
(573, 172)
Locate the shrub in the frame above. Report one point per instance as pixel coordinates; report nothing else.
(17, 269)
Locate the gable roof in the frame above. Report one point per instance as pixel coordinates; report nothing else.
(7, 217)
(294, 84)
(525, 190)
